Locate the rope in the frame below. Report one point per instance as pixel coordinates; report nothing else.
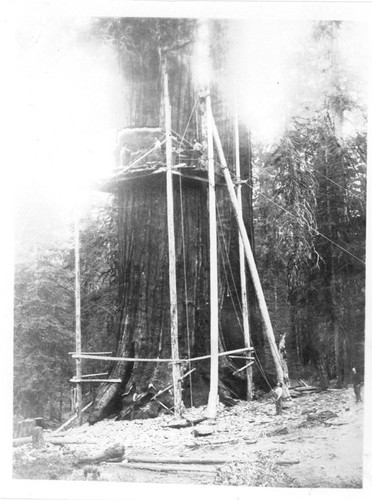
(154, 148)
(262, 371)
(246, 183)
(231, 273)
(182, 138)
(339, 185)
(189, 120)
(185, 284)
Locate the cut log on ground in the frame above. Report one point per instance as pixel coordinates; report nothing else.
(287, 462)
(196, 421)
(307, 389)
(203, 430)
(178, 424)
(165, 460)
(185, 422)
(278, 432)
(295, 394)
(114, 452)
(330, 424)
(248, 441)
(52, 440)
(202, 469)
(212, 443)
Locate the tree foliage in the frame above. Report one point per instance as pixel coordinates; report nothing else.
(315, 183)
(44, 307)
(43, 334)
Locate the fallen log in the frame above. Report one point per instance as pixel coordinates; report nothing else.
(199, 461)
(205, 469)
(287, 462)
(113, 452)
(278, 432)
(247, 441)
(62, 442)
(49, 439)
(295, 394)
(330, 424)
(219, 443)
(203, 431)
(178, 424)
(307, 389)
(185, 422)
(196, 421)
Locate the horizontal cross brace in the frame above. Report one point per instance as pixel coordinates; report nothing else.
(241, 357)
(113, 380)
(104, 352)
(157, 360)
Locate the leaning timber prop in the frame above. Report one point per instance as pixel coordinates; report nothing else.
(250, 259)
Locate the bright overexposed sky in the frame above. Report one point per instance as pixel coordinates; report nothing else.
(67, 91)
(65, 106)
(265, 62)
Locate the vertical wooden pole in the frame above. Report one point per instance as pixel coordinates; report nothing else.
(172, 254)
(243, 280)
(251, 263)
(213, 390)
(78, 319)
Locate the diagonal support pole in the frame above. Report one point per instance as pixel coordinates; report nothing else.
(250, 259)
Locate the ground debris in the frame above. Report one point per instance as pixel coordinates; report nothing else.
(234, 430)
(323, 415)
(278, 432)
(203, 430)
(287, 462)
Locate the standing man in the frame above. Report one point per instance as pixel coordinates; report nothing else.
(278, 394)
(357, 382)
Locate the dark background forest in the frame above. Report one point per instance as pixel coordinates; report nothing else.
(307, 197)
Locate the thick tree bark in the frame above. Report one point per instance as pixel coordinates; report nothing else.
(142, 326)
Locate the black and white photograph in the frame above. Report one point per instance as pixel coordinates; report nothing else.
(188, 249)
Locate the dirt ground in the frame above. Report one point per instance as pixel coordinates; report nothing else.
(316, 443)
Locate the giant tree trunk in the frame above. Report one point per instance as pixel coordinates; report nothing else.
(142, 326)
(143, 321)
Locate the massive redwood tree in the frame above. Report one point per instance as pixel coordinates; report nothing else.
(142, 324)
